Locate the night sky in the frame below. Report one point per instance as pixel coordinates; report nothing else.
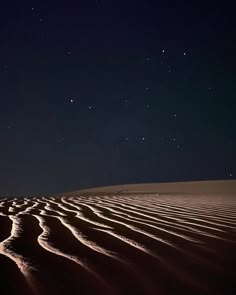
(106, 92)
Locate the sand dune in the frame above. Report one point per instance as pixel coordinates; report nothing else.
(190, 187)
(116, 242)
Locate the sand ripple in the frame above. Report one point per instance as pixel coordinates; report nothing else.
(118, 244)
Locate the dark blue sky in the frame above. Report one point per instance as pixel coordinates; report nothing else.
(109, 92)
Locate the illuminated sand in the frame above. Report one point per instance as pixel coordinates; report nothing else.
(119, 243)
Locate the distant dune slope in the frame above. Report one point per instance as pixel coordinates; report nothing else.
(192, 187)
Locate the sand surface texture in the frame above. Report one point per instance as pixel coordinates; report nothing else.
(117, 243)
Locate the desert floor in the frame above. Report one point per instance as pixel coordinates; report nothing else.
(117, 243)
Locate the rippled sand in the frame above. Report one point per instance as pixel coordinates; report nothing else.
(118, 244)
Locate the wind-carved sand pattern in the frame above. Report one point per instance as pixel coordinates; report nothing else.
(119, 244)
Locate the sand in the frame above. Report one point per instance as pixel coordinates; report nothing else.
(134, 239)
(191, 187)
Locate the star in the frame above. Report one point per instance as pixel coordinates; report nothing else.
(71, 100)
(126, 100)
(143, 138)
(147, 88)
(147, 106)
(175, 115)
(163, 51)
(185, 53)
(147, 59)
(230, 175)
